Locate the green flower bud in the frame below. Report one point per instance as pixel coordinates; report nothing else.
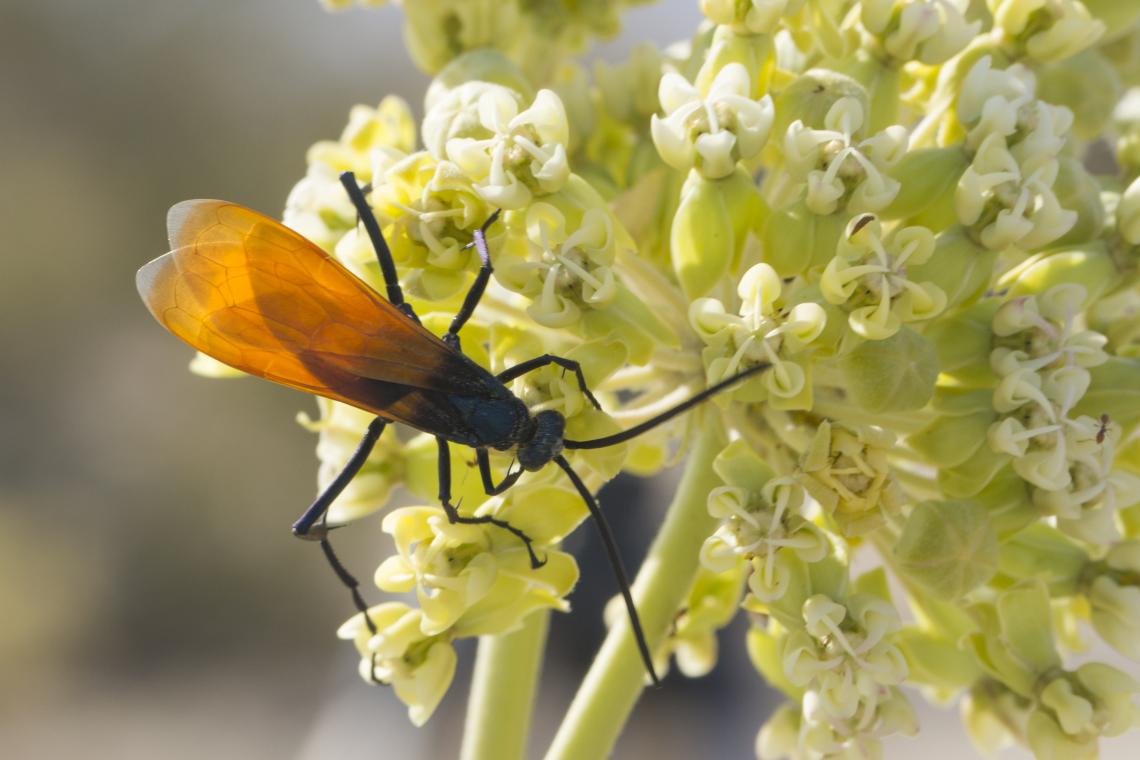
(959, 267)
(764, 652)
(928, 178)
(1119, 18)
(936, 662)
(710, 229)
(950, 441)
(964, 481)
(481, 65)
(1114, 390)
(1007, 499)
(629, 89)
(796, 240)
(1116, 614)
(1076, 189)
(779, 736)
(1076, 709)
(469, 26)
(1085, 83)
(751, 16)
(1113, 693)
(1049, 741)
(881, 82)
(740, 466)
(1041, 551)
(1089, 265)
(755, 52)
(1128, 213)
(948, 547)
(1025, 619)
(896, 374)
(1046, 32)
(929, 32)
(712, 603)
(1114, 596)
(1014, 641)
(963, 343)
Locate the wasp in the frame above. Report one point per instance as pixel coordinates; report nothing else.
(255, 295)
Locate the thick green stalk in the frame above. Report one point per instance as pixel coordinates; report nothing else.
(502, 691)
(616, 678)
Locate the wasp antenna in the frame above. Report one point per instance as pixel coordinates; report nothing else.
(681, 408)
(615, 563)
(485, 226)
(491, 220)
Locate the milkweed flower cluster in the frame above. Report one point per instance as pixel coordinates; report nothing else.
(905, 209)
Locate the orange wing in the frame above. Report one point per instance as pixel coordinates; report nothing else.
(255, 295)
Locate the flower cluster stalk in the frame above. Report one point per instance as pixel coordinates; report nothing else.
(617, 677)
(503, 690)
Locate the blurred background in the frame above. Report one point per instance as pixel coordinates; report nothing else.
(153, 603)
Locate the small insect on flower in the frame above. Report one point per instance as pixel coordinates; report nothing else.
(251, 293)
(1102, 431)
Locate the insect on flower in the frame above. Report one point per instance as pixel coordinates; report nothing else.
(1102, 429)
(255, 295)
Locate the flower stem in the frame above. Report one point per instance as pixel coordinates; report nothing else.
(616, 678)
(502, 691)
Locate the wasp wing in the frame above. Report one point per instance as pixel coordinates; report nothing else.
(255, 295)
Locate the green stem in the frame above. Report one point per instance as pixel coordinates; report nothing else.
(616, 678)
(502, 692)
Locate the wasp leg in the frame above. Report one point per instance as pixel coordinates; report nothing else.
(488, 481)
(312, 524)
(475, 293)
(383, 253)
(615, 562)
(545, 361)
(349, 580)
(320, 506)
(453, 513)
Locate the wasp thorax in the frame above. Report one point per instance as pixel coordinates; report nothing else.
(545, 443)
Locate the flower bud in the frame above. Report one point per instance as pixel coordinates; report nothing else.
(710, 228)
(1087, 85)
(1048, 32)
(948, 547)
(481, 65)
(1128, 213)
(1116, 614)
(1076, 189)
(755, 52)
(1114, 390)
(1089, 265)
(927, 179)
(796, 240)
(896, 374)
(469, 25)
(1119, 18)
